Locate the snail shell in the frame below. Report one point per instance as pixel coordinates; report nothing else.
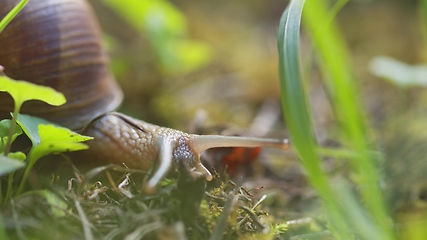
(57, 43)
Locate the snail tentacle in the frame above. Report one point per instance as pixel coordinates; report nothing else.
(166, 147)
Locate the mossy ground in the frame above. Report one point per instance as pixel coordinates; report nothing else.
(108, 204)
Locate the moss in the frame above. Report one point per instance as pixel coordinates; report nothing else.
(95, 205)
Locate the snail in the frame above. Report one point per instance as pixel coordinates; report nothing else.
(57, 43)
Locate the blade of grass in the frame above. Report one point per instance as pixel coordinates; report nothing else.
(8, 18)
(294, 100)
(3, 234)
(342, 206)
(343, 96)
(295, 108)
(86, 225)
(423, 11)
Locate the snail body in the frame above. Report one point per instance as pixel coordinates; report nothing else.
(57, 43)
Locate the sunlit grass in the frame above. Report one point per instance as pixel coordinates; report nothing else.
(365, 216)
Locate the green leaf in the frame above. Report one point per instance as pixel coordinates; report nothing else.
(4, 127)
(57, 140)
(48, 138)
(8, 18)
(22, 91)
(399, 73)
(20, 156)
(4, 132)
(8, 165)
(30, 126)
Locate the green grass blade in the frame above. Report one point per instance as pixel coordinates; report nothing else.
(294, 100)
(344, 209)
(295, 108)
(8, 18)
(423, 10)
(3, 233)
(343, 92)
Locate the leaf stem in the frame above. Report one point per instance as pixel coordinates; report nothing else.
(9, 186)
(30, 165)
(12, 128)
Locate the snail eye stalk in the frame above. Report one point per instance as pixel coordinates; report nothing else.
(200, 143)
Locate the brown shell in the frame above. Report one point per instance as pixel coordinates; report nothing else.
(57, 43)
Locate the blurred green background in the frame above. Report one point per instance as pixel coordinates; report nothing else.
(173, 58)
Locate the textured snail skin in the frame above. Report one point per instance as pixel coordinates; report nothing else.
(120, 139)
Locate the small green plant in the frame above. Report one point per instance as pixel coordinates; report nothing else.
(46, 137)
(7, 131)
(21, 92)
(12, 161)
